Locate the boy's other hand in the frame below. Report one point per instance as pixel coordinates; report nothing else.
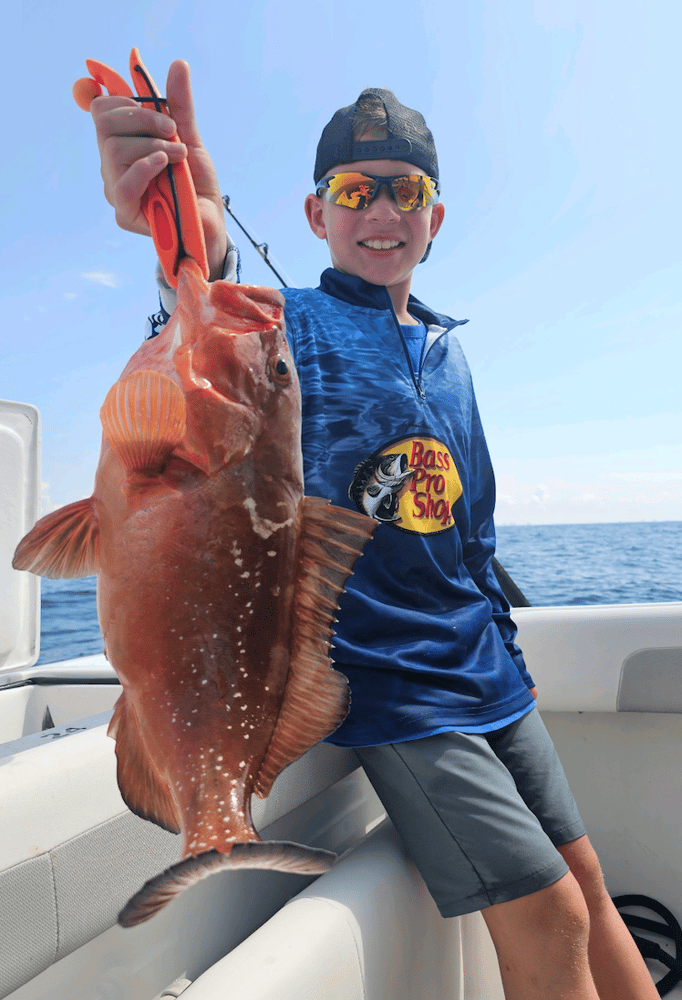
(134, 145)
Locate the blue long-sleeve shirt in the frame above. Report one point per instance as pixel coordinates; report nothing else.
(424, 633)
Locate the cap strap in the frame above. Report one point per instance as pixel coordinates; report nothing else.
(382, 149)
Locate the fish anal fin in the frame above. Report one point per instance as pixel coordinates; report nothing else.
(143, 789)
(316, 697)
(62, 544)
(143, 418)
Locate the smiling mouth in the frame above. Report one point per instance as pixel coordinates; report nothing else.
(381, 244)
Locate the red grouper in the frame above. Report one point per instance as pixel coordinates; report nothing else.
(218, 580)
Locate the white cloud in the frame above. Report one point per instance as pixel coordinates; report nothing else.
(559, 501)
(70, 295)
(106, 278)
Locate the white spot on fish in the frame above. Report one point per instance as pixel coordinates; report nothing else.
(261, 525)
(272, 553)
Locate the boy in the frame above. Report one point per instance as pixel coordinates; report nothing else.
(442, 713)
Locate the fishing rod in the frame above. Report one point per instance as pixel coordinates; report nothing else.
(262, 248)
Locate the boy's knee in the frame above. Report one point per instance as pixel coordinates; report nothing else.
(583, 862)
(554, 917)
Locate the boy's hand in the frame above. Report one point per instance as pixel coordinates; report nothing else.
(134, 145)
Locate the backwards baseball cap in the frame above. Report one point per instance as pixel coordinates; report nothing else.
(408, 137)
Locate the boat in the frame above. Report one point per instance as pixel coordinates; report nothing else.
(71, 853)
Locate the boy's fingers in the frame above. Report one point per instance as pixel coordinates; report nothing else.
(181, 102)
(125, 150)
(125, 195)
(121, 116)
(181, 107)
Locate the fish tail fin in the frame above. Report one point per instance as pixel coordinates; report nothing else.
(144, 418)
(281, 856)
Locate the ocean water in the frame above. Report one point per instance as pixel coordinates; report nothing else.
(620, 563)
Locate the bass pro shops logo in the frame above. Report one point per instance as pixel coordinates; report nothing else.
(412, 484)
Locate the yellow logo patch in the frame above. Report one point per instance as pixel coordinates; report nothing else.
(412, 483)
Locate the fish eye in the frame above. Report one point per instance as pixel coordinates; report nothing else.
(280, 371)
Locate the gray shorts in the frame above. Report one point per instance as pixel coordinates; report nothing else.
(481, 815)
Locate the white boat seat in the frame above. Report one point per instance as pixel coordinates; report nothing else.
(73, 854)
(348, 936)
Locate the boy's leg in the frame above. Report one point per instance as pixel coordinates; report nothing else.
(541, 942)
(618, 969)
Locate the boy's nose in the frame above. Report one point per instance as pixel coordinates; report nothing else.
(383, 204)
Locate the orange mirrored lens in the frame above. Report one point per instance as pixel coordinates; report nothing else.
(354, 190)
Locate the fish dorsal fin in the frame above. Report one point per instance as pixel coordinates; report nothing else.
(143, 789)
(62, 544)
(143, 418)
(316, 696)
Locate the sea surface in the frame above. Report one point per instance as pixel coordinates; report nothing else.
(622, 563)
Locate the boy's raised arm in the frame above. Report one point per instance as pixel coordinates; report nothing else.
(134, 145)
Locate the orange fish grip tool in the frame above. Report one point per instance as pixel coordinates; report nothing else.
(170, 202)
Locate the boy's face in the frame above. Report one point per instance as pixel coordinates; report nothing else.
(353, 236)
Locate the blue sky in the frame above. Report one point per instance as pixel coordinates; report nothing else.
(557, 126)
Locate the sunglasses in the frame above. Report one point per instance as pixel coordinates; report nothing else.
(354, 190)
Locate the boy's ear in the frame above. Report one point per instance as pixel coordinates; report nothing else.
(315, 216)
(437, 216)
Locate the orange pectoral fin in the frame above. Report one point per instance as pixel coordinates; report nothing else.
(62, 544)
(143, 418)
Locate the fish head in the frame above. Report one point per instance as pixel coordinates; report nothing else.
(237, 373)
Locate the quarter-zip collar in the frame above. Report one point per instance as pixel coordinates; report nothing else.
(356, 291)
